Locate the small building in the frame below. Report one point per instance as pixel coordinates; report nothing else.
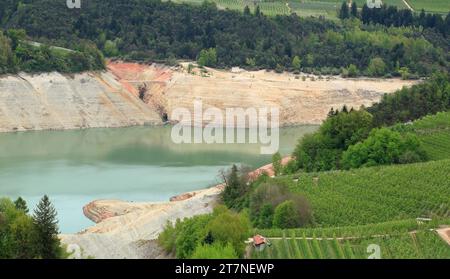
(260, 242)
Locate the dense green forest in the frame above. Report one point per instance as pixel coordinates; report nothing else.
(18, 54)
(150, 30)
(392, 16)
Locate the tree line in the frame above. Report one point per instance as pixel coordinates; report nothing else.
(151, 30)
(351, 138)
(18, 54)
(392, 16)
(25, 236)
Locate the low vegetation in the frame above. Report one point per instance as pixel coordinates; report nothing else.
(220, 234)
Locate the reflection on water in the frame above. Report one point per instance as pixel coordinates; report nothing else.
(135, 164)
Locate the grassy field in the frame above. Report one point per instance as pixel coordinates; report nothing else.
(439, 6)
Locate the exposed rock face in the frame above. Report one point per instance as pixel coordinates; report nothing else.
(113, 98)
(299, 101)
(55, 101)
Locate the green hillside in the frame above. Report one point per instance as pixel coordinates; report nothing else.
(422, 244)
(378, 194)
(434, 132)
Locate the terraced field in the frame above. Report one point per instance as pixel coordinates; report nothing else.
(379, 206)
(438, 6)
(267, 8)
(424, 244)
(373, 195)
(316, 8)
(434, 131)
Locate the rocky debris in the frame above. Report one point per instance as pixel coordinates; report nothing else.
(182, 197)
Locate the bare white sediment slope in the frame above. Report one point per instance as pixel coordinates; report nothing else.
(301, 99)
(54, 101)
(129, 230)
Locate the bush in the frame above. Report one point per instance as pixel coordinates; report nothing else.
(293, 213)
(377, 67)
(267, 197)
(383, 147)
(286, 216)
(207, 57)
(229, 227)
(222, 227)
(352, 70)
(322, 150)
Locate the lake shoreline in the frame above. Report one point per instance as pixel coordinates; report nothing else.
(121, 225)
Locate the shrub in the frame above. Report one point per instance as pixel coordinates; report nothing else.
(376, 67)
(383, 147)
(207, 57)
(267, 197)
(190, 237)
(292, 213)
(323, 149)
(352, 70)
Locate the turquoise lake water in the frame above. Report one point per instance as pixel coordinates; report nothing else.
(133, 164)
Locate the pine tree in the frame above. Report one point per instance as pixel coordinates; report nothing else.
(344, 109)
(331, 113)
(47, 229)
(246, 10)
(232, 185)
(21, 204)
(344, 13)
(354, 10)
(257, 11)
(365, 14)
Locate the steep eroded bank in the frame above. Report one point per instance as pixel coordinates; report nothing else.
(58, 102)
(300, 99)
(131, 94)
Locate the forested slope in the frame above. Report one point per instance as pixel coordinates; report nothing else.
(151, 30)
